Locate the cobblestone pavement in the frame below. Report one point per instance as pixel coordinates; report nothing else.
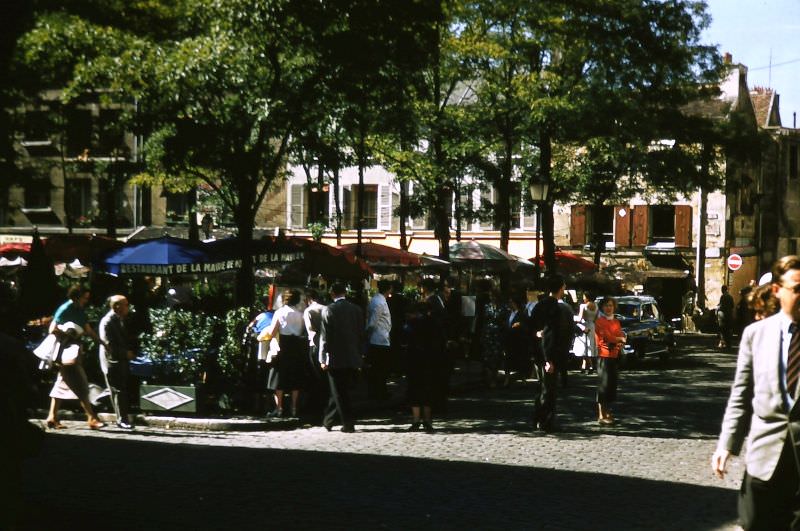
(484, 468)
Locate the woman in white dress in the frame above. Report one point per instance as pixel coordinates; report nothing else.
(586, 345)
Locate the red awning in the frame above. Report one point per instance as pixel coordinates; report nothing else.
(15, 249)
(569, 263)
(383, 256)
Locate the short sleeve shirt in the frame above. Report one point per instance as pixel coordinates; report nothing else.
(70, 311)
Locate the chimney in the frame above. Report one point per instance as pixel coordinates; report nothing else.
(727, 58)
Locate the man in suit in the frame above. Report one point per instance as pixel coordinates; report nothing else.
(553, 322)
(341, 337)
(764, 402)
(115, 353)
(318, 380)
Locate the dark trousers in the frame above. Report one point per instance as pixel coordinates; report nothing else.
(118, 381)
(317, 389)
(340, 380)
(544, 402)
(774, 504)
(378, 364)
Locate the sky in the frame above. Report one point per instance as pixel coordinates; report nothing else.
(754, 30)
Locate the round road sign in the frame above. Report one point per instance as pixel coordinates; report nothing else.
(734, 262)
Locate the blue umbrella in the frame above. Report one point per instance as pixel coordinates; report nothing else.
(164, 256)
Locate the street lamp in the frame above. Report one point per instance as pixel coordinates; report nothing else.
(539, 192)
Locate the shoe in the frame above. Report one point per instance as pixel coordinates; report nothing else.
(95, 424)
(414, 426)
(329, 428)
(294, 415)
(124, 425)
(428, 427)
(55, 425)
(348, 429)
(275, 413)
(605, 421)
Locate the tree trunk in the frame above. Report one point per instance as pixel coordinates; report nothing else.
(111, 204)
(597, 236)
(546, 159)
(337, 204)
(245, 219)
(360, 207)
(191, 201)
(403, 214)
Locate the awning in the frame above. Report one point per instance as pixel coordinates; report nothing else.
(667, 260)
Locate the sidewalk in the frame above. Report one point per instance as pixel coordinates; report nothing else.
(466, 376)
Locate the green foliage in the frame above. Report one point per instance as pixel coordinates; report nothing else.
(214, 296)
(180, 344)
(233, 355)
(317, 230)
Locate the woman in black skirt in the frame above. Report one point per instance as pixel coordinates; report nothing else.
(288, 369)
(422, 365)
(610, 338)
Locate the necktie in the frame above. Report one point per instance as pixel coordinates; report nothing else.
(793, 363)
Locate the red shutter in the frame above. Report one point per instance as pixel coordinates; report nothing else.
(641, 225)
(622, 226)
(683, 225)
(577, 225)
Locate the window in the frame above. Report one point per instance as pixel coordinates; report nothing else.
(318, 204)
(177, 206)
(515, 206)
(370, 213)
(78, 199)
(111, 138)
(37, 193)
(601, 221)
(662, 224)
(79, 131)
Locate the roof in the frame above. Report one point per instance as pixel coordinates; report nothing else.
(765, 105)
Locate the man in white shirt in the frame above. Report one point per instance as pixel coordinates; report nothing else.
(379, 326)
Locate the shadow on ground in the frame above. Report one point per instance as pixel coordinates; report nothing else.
(92, 483)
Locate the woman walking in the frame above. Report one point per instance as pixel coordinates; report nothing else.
(69, 323)
(587, 343)
(610, 339)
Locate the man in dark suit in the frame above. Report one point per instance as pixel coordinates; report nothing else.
(341, 337)
(555, 326)
(763, 406)
(115, 353)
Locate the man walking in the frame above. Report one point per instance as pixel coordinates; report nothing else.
(341, 333)
(379, 327)
(555, 326)
(763, 406)
(725, 311)
(115, 353)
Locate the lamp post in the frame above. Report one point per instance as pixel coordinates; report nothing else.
(539, 191)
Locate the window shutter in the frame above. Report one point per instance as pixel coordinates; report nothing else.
(577, 225)
(683, 225)
(384, 207)
(641, 225)
(622, 226)
(296, 218)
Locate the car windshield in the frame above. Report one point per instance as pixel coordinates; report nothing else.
(629, 311)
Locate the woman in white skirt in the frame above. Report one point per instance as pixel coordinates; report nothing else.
(586, 344)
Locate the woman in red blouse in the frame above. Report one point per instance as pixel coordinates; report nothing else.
(610, 338)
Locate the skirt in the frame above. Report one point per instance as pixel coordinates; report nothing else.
(288, 368)
(608, 376)
(71, 383)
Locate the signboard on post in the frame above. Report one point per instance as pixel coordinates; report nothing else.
(734, 262)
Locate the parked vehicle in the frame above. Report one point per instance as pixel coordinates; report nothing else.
(645, 326)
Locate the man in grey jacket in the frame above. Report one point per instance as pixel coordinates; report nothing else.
(115, 353)
(763, 406)
(341, 338)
